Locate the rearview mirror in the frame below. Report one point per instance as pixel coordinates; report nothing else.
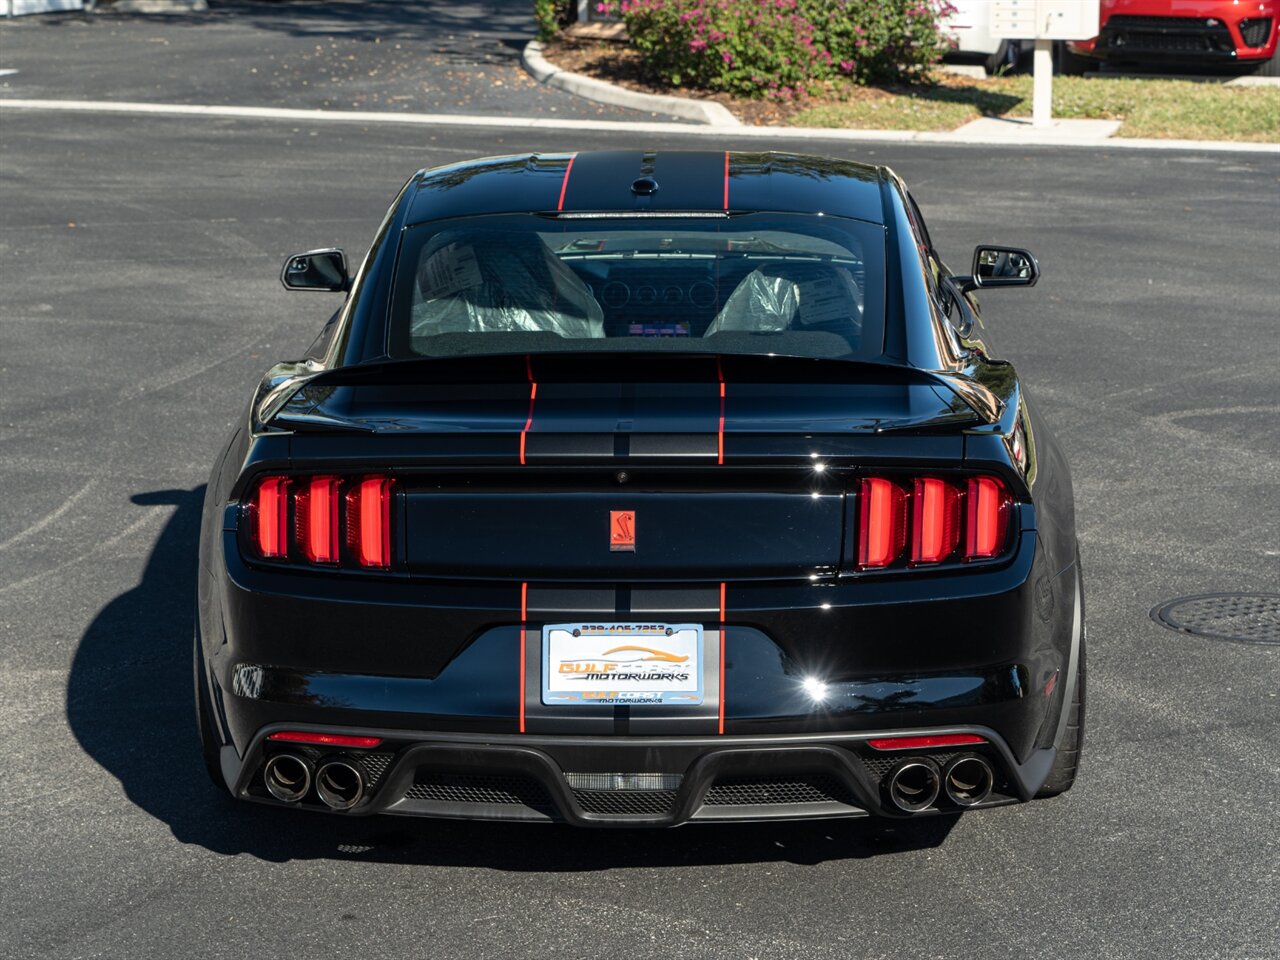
(1004, 267)
(324, 270)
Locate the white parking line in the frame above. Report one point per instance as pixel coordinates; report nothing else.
(7, 73)
(614, 126)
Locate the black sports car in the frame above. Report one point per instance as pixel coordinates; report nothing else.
(639, 489)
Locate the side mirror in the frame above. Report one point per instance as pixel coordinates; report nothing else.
(324, 270)
(1004, 267)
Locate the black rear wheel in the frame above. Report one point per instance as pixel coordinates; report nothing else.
(1070, 64)
(210, 746)
(1065, 765)
(1004, 60)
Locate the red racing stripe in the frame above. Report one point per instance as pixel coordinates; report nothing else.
(720, 429)
(524, 617)
(533, 395)
(564, 184)
(722, 632)
(726, 179)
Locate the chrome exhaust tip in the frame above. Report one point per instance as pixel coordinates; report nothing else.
(340, 784)
(287, 776)
(913, 785)
(968, 780)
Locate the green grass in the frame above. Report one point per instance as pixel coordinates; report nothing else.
(1180, 109)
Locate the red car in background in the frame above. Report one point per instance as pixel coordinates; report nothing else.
(1181, 32)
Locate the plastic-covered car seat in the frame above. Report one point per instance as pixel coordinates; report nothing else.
(485, 282)
(793, 295)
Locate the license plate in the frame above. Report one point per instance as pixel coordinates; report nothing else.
(622, 663)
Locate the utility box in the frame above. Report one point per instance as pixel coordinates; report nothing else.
(1044, 19)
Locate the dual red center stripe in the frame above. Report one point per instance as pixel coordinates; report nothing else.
(533, 395)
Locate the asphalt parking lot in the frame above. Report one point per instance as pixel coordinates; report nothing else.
(139, 305)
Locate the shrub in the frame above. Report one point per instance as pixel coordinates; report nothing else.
(553, 15)
(782, 48)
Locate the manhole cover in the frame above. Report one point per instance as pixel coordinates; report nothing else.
(1242, 617)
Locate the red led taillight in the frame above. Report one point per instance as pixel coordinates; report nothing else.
(316, 519)
(935, 740)
(269, 517)
(935, 520)
(324, 739)
(961, 519)
(987, 505)
(369, 521)
(883, 526)
(323, 531)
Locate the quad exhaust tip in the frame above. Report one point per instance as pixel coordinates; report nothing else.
(914, 785)
(968, 780)
(287, 776)
(340, 784)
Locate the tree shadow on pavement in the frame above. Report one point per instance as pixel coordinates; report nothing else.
(492, 29)
(129, 703)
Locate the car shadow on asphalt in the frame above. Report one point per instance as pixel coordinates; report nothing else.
(129, 703)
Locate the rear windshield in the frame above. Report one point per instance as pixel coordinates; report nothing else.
(755, 283)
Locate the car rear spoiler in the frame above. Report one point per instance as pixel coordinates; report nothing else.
(292, 392)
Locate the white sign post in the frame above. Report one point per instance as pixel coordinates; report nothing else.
(1044, 21)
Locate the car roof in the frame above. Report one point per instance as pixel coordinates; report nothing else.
(610, 181)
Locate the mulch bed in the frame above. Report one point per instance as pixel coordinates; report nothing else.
(618, 63)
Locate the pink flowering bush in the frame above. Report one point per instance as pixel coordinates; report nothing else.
(553, 15)
(783, 48)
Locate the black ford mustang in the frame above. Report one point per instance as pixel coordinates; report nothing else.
(638, 489)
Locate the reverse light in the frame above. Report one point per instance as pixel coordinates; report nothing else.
(913, 743)
(882, 529)
(324, 739)
(316, 519)
(369, 522)
(269, 517)
(935, 520)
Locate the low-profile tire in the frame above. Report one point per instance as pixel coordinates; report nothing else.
(1065, 765)
(1070, 64)
(210, 746)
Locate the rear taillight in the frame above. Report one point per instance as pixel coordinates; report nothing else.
(322, 531)
(935, 520)
(369, 522)
(883, 526)
(316, 519)
(957, 520)
(269, 517)
(987, 505)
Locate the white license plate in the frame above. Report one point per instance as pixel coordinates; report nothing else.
(622, 663)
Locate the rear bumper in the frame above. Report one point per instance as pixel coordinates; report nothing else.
(729, 779)
(435, 671)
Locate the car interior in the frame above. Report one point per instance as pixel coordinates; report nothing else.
(612, 286)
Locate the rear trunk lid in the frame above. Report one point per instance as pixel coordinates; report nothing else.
(671, 469)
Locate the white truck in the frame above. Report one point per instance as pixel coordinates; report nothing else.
(969, 32)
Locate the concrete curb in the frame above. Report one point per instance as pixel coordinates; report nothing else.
(725, 134)
(700, 111)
